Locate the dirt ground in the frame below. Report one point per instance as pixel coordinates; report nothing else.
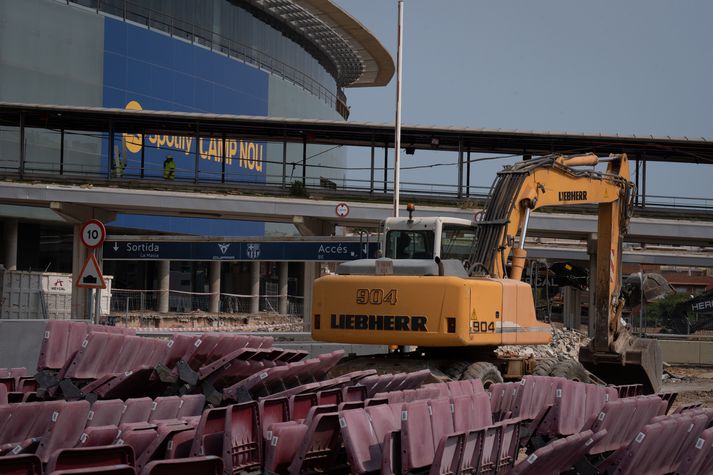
(693, 384)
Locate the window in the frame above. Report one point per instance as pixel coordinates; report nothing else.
(409, 244)
(457, 241)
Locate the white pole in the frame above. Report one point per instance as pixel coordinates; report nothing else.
(397, 139)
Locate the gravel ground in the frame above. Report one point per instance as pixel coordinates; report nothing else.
(693, 384)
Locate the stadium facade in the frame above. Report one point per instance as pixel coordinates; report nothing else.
(280, 58)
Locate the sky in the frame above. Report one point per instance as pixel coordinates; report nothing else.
(634, 67)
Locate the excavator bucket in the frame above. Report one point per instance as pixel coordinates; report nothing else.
(631, 360)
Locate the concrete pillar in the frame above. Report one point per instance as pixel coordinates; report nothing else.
(571, 314)
(164, 285)
(79, 295)
(10, 239)
(311, 272)
(592, 251)
(214, 306)
(284, 268)
(255, 287)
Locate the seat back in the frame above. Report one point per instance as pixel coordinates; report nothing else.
(210, 433)
(136, 410)
(318, 451)
(242, 439)
(191, 405)
(208, 465)
(27, 464)
(72, 458)
(105, 413)
(165, 408)
(417, 445)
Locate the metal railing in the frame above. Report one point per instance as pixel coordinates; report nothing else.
(273, 183)
(155, 20)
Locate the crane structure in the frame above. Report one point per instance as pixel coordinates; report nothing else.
(453, 289)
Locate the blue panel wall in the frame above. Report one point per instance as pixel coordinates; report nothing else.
(149, 70)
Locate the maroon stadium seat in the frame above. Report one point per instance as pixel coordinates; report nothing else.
(242, 440)
(105, 413)
(191, 405)
(272, 411)
(180, 444)
(446, 460)
(66, 459)
(192, 466)
(318, 449)
(107, 470)
(285, 442)
(209, 433)
(557, 456)
(67, 425)
(27, 464)
(137, 410)
(416, 437)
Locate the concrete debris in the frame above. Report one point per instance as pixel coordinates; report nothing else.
(565, 344)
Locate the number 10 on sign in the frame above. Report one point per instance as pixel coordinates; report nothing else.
(93, 233)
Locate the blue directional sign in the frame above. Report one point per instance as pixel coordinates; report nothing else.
(333, 251)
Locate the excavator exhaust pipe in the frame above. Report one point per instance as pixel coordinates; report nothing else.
(630, 360)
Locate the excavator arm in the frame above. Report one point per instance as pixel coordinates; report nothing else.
(554, 181)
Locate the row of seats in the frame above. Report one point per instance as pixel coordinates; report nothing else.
(110, 460)
(43, 427)
(455, 432)
(569, 405)
(63, 338)
(394, 382)
(679, 443)
(281, 378)
(109, 364)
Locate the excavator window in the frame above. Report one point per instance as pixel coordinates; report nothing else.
(407, 244)
(456, 241)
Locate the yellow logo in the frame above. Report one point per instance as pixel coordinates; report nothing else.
(132, 142)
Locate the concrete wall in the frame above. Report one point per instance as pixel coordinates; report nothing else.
(20, 342)
(687, 352)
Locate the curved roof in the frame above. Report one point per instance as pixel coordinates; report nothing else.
(359, 59)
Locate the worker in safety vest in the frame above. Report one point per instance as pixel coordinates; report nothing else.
(169, 168)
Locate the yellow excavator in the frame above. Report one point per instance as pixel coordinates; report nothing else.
(448, 292)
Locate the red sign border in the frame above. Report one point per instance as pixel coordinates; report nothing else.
(102, 285)
(337, 212)
(103, 232)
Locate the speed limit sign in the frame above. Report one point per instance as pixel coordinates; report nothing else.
(93, 233)
(342, 210)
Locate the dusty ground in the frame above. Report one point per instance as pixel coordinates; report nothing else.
(260, 322)
(693, 384)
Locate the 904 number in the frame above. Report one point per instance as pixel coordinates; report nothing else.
(376, 296)
(482, 327)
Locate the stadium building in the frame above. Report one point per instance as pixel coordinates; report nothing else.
(279, 58)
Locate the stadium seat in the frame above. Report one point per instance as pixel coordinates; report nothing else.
(192, 466)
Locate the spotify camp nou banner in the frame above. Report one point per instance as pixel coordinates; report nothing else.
(144, 69)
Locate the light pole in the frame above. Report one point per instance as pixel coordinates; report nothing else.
(641, 306)
(397, 138)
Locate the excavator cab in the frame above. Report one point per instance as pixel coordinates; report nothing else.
(428, 238)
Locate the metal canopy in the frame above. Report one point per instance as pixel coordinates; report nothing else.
(417, 137)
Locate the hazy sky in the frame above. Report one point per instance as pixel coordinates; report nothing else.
(634, 67)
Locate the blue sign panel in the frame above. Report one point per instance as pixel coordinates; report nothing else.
(144, 69)
(332, 251)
